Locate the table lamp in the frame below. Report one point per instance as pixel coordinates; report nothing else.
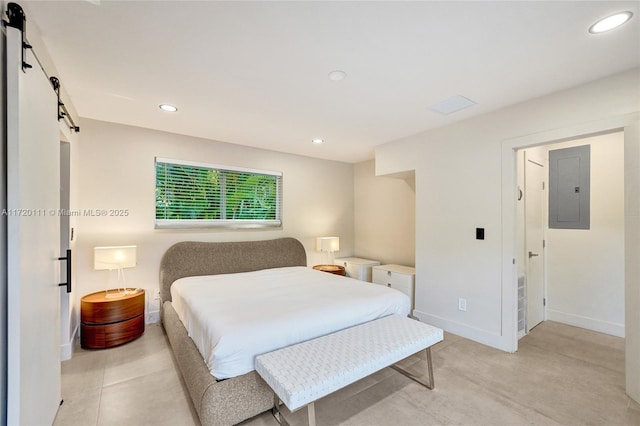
(115, 259)
(328, 245)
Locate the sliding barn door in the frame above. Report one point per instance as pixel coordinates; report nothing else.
(33, 241)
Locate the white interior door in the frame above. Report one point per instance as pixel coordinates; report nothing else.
(33, 241)
(534, 236)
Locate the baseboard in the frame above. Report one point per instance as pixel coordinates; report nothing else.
(152, 317)
(477, 335)
(586, 322)
(66, 349)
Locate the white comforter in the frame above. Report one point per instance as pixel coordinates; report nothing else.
(235, 317)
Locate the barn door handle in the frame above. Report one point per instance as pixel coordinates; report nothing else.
(532, 254)
(68, 259)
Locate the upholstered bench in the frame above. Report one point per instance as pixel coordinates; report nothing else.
(303, 373)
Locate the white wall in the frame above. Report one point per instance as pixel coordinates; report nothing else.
(585, 267)
(461, 171)
(384, 216)
(116, 171)
(632, 258)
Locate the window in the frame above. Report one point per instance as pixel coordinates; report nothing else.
(190, 194)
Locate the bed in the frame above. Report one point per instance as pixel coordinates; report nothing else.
(229, 392)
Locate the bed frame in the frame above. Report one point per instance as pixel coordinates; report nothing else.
(233, 400)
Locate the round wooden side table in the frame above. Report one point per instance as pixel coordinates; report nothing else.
(111, 318)
(334, 269)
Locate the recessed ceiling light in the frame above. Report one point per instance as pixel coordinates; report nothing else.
(168, 108)
(317, 141)
(337, 75)
(610, 22)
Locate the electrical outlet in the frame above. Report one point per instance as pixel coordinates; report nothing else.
(462, 304)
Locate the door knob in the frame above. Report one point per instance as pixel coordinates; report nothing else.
(532, 254)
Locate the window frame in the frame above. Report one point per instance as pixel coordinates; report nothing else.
(219, 223)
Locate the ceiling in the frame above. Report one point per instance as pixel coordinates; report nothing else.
(256, 73)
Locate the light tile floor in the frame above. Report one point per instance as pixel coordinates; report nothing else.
(134, 384)
(560, 375)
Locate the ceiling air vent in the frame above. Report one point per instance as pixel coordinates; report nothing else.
(451, 105)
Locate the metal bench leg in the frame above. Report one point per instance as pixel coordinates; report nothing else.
(417, 379)
(311, 411)
(275, 411)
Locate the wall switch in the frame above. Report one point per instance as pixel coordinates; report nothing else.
(462, 304)
(479, 233)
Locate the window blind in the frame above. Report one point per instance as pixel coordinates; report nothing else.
(192, 194)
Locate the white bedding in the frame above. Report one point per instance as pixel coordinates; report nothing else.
(233, 318)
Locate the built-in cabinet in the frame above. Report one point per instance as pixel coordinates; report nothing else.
(356, 267)
(399, 277)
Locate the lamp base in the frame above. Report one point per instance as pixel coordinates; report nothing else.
(110, 294)
(114, 295)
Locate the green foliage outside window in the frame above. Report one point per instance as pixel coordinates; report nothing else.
(250, 196)
(185, 192)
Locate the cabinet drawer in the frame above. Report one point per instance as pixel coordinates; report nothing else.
(400, 280)
(359, 272)
(379, 276)
(96, 309)
(357, 268)
(351, 270)
(404, 285)
(109, 335)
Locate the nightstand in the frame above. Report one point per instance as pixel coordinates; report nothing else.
(109, 319)
(396, 276)
(333, 269)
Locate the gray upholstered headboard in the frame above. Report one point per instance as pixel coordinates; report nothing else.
(191, 258)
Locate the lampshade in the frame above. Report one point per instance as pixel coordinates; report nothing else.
(329, 244)
(114, 257)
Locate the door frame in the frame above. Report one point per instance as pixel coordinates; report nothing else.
(509, 211)
(66, 299)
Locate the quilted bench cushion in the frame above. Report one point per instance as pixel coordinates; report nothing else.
(308, 371)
